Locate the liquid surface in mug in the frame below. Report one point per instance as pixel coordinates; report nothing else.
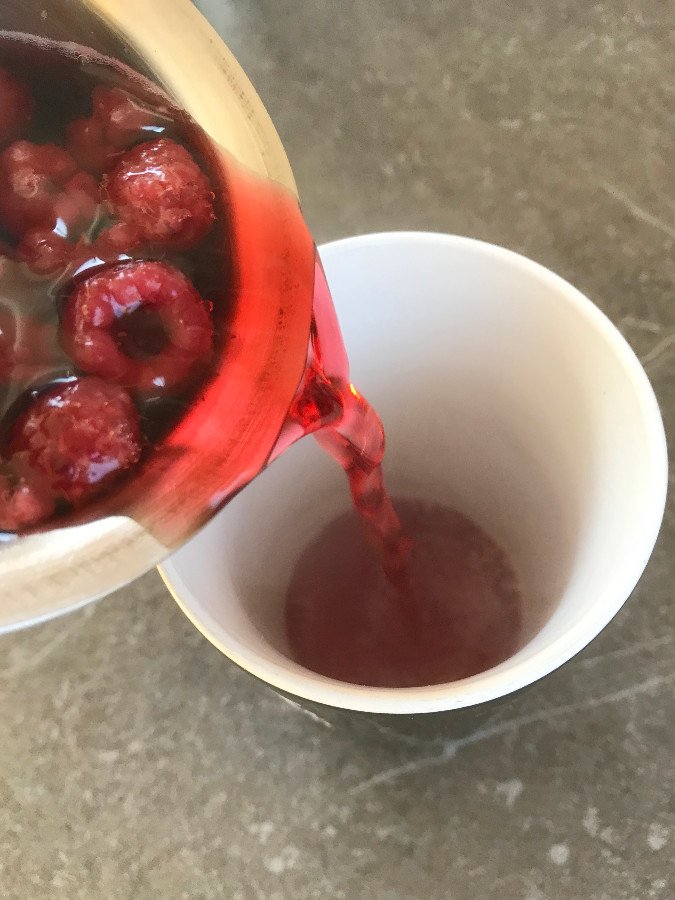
(457, 613)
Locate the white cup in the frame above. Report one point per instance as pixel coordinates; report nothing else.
(506, 394)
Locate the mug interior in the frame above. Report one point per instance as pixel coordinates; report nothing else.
(505, 394)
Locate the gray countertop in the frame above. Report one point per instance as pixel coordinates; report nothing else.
(135, 761)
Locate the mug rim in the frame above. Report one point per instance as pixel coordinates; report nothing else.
(489, 685)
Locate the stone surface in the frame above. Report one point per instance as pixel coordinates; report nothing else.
(135, 761)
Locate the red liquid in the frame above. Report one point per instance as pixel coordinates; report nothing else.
(458, 614)
(347, 427)
(207, 437)
(271, 312)
(379, 600)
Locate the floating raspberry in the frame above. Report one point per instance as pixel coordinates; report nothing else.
(24, 499)
(118, 122)
(16, 107)
(79, 436)
(40, 185)
(141, 324)
(159, 188)
(44, 251)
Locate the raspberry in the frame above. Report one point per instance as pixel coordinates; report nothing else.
(141, 324)
(24, 499)
(16, 107)
(159, 188)
(118, 122)
(41, 185)
(44, 251)
(79, 436)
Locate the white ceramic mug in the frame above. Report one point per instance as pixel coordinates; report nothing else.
(506, 394)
